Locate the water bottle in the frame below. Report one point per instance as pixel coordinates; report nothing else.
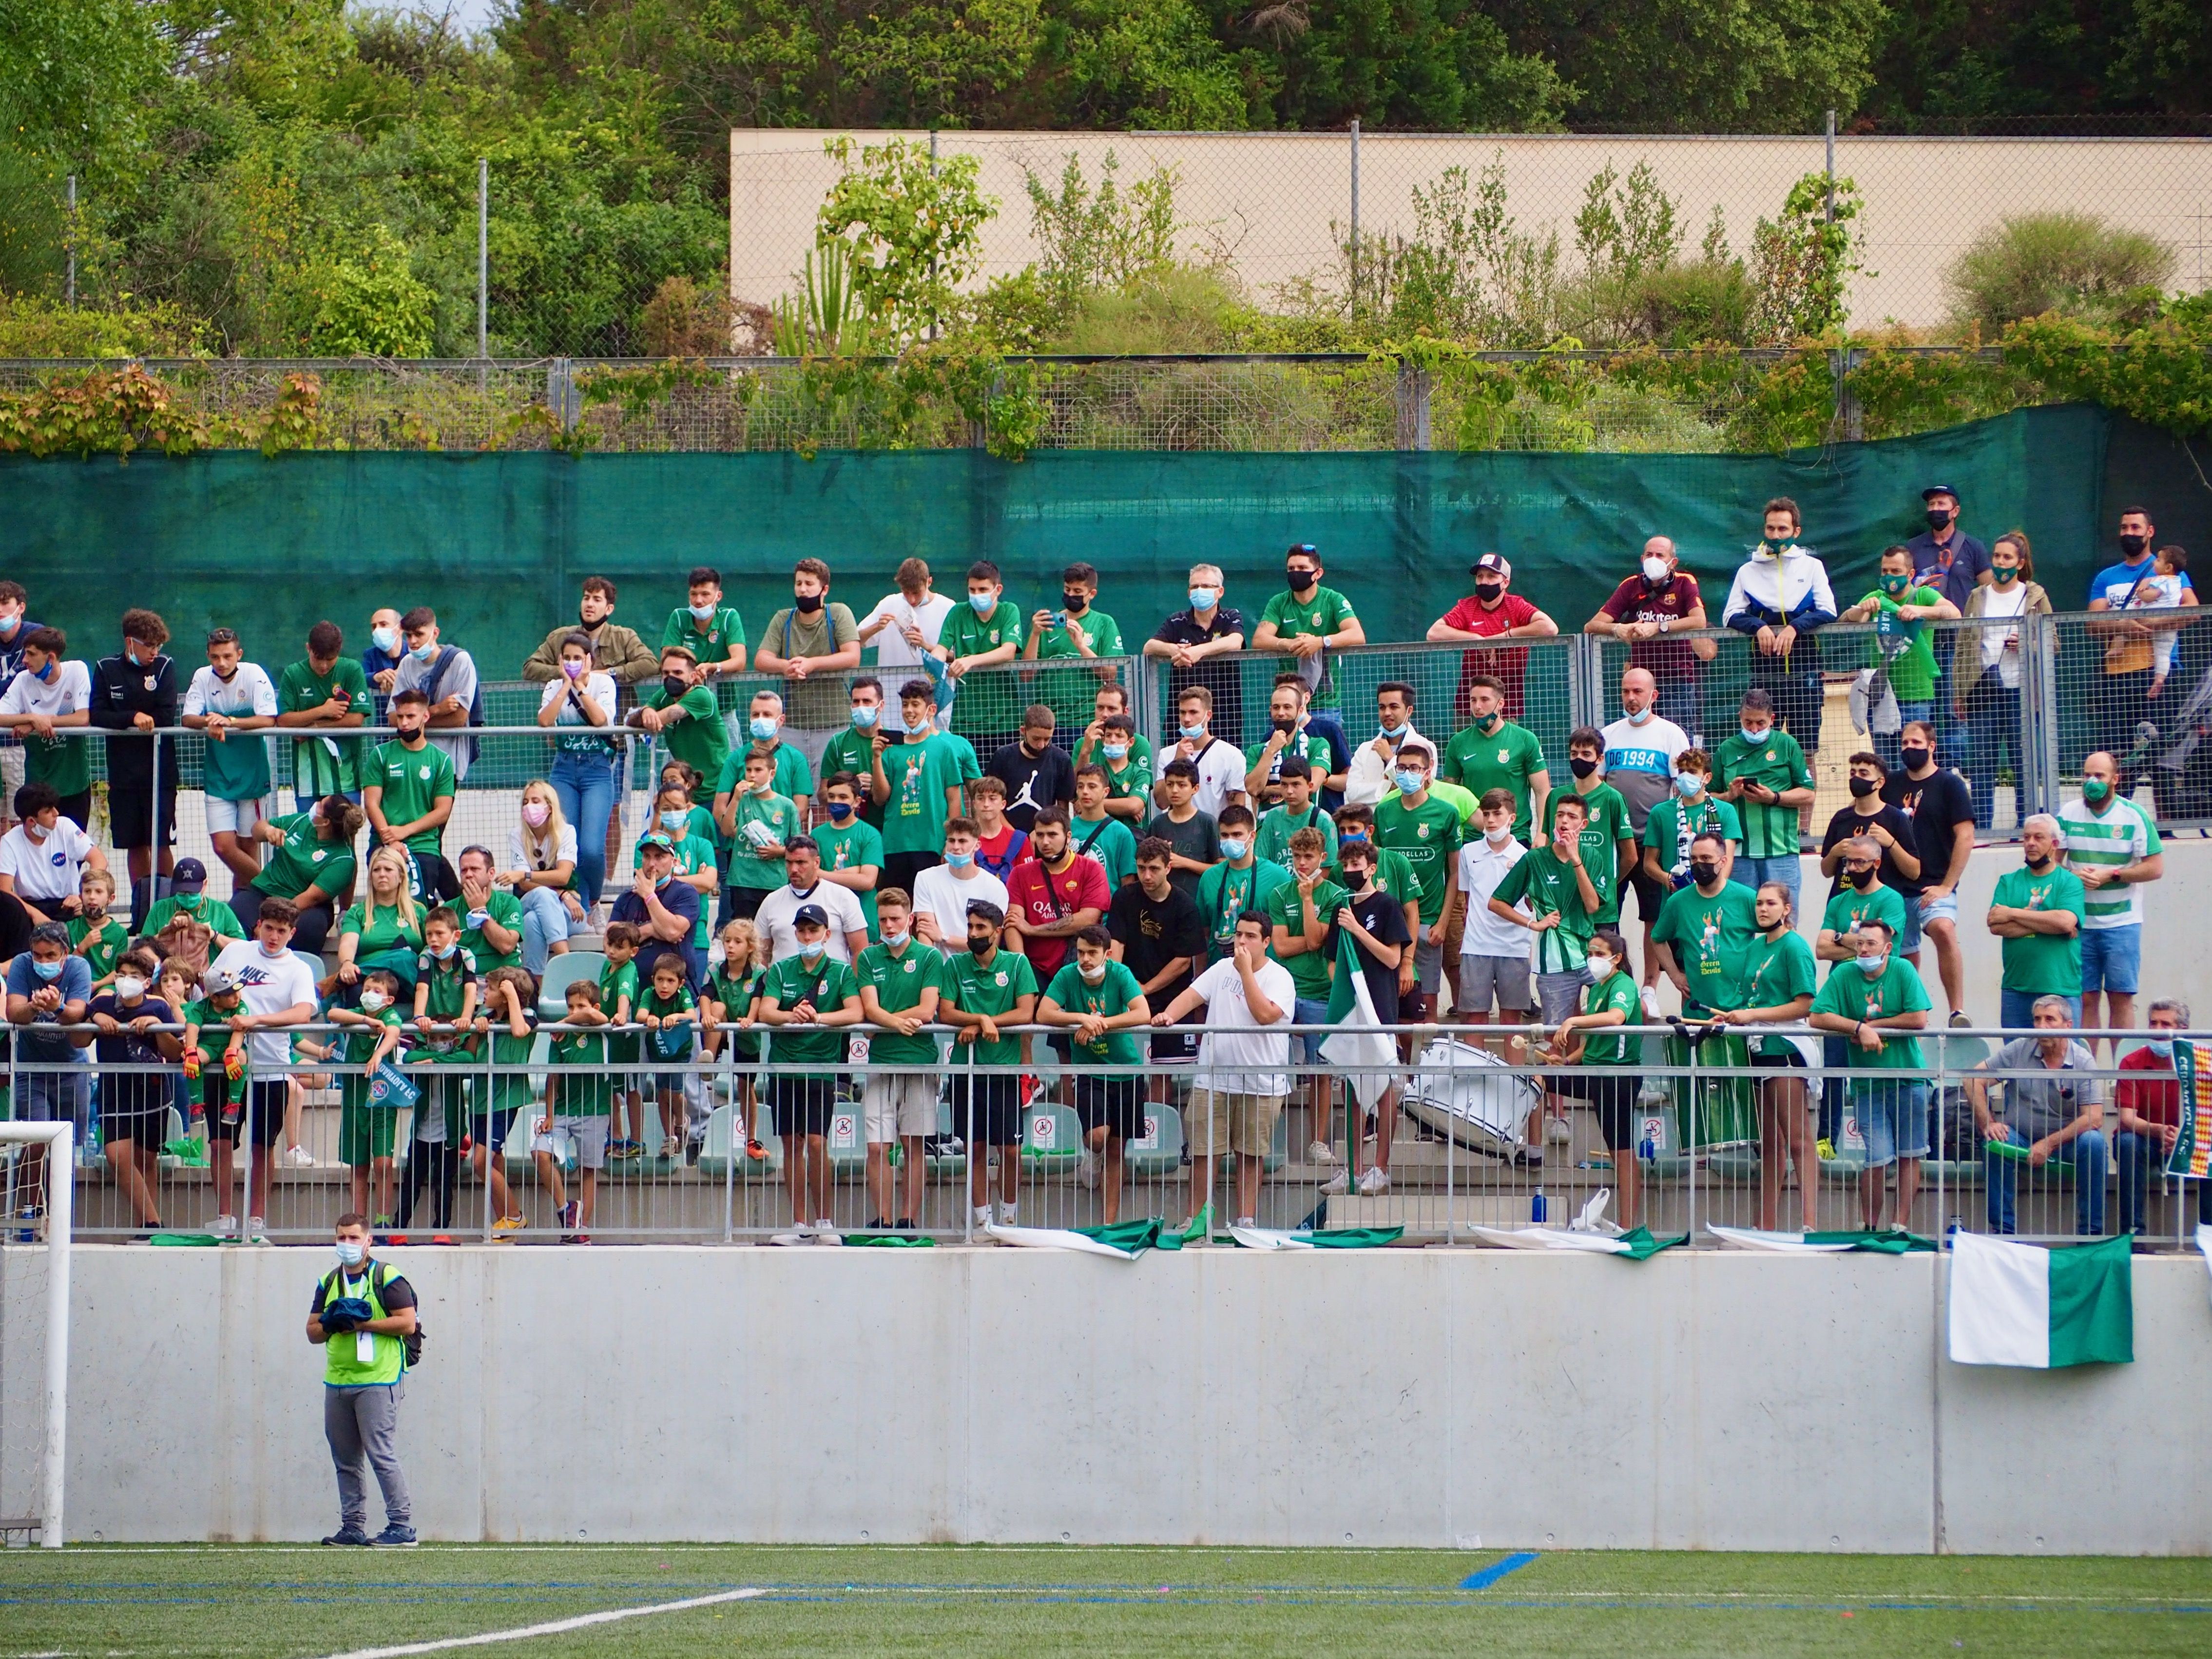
(1537, 1208)
(1646, 1152)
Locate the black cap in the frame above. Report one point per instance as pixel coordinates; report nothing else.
(1934, 490)
(189, 877)
(810, 915)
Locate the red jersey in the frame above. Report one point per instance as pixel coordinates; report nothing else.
(1509, 664)
(2155, 1099)
(1041, 898)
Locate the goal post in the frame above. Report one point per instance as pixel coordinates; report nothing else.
(35, 1304)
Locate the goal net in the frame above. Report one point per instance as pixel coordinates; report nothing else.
(35, 1273)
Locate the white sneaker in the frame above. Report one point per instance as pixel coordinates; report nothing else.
(1376, 1180)
(257, 1231)
(1007, 1216)
(225, 1227)
(1086, 1171)
(1320, 1152)
(299, 1158)
(826, 1233)
(1339, 1182)
(1650, 998)
(1559, 1133)
(801, 1231)
(982, 1215)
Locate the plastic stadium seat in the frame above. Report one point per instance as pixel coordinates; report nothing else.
(1052, 1136)
(561, 972)
(714, 1149)
(1279, 1150)
(847, 1140)
(1159, 1151)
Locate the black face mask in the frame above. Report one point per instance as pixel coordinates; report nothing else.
(1581, 765)
(1489, 592)
(1914, 759)
(1286, 727)
(2134, 545)
(806, 604)
(589, 624)
(977, 947)
(1938, 517)
(1863, 788)
(1861, 879)
(2038, 865)
(1072, 602)
(1301, 579)
(675, 685)
(1704, 874)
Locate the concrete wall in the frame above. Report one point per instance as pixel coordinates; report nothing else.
(1424, 1398)
(1275, 207)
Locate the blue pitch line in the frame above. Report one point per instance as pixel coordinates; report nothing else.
(1496, 1571)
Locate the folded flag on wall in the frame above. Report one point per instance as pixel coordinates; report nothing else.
(1820, 1243)
(2021, 1304)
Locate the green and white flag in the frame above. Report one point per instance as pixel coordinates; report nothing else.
(2021, 1304)
(1820, 1243)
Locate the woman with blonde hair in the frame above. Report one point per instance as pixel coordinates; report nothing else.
(1986, 667)
(383, 928)
(541, 851)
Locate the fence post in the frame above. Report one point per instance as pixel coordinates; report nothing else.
(1586, 681)
(1354, 259)
(1412, 397)
(483, 255)
(2039, 785)
(70, 293)
(1851, 415)
(561, 392)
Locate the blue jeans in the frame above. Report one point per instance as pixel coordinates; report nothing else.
(1683, 703)
(1886, 744)
(2016, 1009)
(584, 786)
(2139, 1157)
(2086, 1152)
(1309, 1012)
(1754, 873)
(1992, 731)
(544, 924)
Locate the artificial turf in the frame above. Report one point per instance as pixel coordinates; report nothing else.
(299, 1602)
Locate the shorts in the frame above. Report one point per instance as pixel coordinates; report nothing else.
(995, 1103)
(667, 1083)
(1117, 1103)
(590, 1134)
(366, 1132)
(238, 817)
(143, 1126)
(1611, 1098)
(1428, 964)
(52, 1097)
(803, 1105)
(1908, 942)
(1174, 1047)
(262, 1114)
(1561, 994)
(899, 1103)
(1223, 1121)
(1892, 1114)
(130, 813)
(491, 1130)
(2112, 958)
(1649, 895)
(1306, 1010)
(1505, 980)
(1926, 909)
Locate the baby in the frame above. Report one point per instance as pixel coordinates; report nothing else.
(2161, 591)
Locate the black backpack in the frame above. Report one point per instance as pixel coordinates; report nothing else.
(379, 1276)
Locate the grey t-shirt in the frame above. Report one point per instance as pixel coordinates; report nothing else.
(460, 681)
(2033, 1106)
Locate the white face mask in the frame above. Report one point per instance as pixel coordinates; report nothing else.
(1497, 837)
(1601, 967)
(350, 1251)
(1092, 975)
(129, 987)
(371, 1001)
(1655, 570)
(895, 939)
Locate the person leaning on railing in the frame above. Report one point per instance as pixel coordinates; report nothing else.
(1660, 599)
(2053, 1108)
(313, 867)
(1986, 670)
(1778, 977)
(1781, 598)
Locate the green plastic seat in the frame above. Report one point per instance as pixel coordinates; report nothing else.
(715, 1148)
(561, 972)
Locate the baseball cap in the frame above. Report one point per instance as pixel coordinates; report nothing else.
(191, 876)
(654, 838)
(1934, 490)
(218, 982)
(810, 915)
(1491, 561)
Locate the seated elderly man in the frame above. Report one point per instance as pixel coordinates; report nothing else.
(2150, 1101)
(2053, 1108)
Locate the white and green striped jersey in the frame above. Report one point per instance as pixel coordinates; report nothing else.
(2122, 834)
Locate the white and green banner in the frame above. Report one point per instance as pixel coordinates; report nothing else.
(2022, 1304)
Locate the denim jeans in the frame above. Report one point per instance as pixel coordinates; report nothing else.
(2016, 1009)
(544, 924)
(584, 786)
(2086, 1152)
(2141, 1157)
(1756, 872)
(1992, 731)
(1886, 744)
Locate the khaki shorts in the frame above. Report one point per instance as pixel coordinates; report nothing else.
(900, 1103)
(1223, 1122)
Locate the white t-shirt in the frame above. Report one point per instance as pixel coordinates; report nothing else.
(45, 870)
(890, 646)
(460, 681)
(944, 895)
(70, 692)
(1222, 988)
(248, 692)
(1995, 640)
(1220, 774)
(1639, 762)
(269, 985)
(518, 850)
(1481, 867)
(772, 921)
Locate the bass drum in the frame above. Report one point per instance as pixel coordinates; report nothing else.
(1470, 1096)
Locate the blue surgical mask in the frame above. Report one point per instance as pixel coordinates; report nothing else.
(959, 860)
(841, 810)
(1232, 849)
(47, 673)
(1753, 734)
(674, 820)
(1687, 784)
(424, 652)
(983, 604)
(351, 1252)
(704, 613)
(2162, 1047)
(811, 954)
(1115, 751)
(763, 726)
(1352, 837)
(864, 716)
(1394, 732)
(49, 970)
(447, 954)
(1409, 782)
(1204, 598)
(386, 640)
(1193, 732)
(1872, 966)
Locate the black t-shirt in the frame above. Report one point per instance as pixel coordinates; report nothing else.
(1385, 917)
(1223, 675)
(1937, 805)
(1032, 781)
(125, 1092)
(1847, 823)
(1154, 933)
(397, 1293)
(1199, 839)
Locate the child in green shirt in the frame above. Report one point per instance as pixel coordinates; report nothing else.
(617, 1000)
(731, 989)
(92, 934)
(577, 1104)
(368, 1129)
(670, 1015)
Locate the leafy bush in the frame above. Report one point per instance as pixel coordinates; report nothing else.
(1104, 239)
(46, 328)
(1177, 309)
(914, 228)
(1698, 302)
(2073, 264)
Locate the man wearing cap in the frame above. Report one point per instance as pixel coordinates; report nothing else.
(1945, 558)
(1491, 613)
(663, 910)
(175, 920)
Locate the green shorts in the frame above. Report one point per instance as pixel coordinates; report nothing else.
(366, 1131)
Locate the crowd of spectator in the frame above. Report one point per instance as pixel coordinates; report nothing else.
(917, 843)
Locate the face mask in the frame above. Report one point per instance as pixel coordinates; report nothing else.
(674, 820)
(1914, 759)
(811, 954)
(763, 726)
(1072, 601)
(1115, 751)
(1202, 599)
(895, 939)
(1687, 784)
(1489, 592)
(1301, 579)
(983, 604)
(424, 652)
(1769, 549)
(1862, 788)
(350, 1252)
(1704, 874)
(2004, 574)
(447, 954)
(1894, 585)
(1938, 517)
(1488, 722)
(1097, 976)
(704, 613)
(575, 671)
(1350, 837)
(977, 947)
(2132, 546)
(959, 860)
(535, 812)
(1394, 732)
(1753, 734)
(2162, 1047)
(1872, 966)
(1600, 967)
(806, 603)
(1499, 836)
(129, 987)
(48, 970)
(1582, 765)
(34, 830)
(1409, 783)
(1638, 716)
(372, 1001)
(1863, 879)
(52, 668)
(2038, 862)
(386, 640)
(9, 623)
(1655, 571)
(1192, 732)
(268, 950)
(673, 686)
(1284, 726)
(839, 811)
(1232, 848)
(2095, 788)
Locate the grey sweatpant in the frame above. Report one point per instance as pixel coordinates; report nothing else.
(363, 1424)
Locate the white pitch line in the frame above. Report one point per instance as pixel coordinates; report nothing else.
(553, 1629)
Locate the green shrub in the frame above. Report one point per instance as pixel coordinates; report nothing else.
(2073, 264)
(1179, 309)
(1698, 302)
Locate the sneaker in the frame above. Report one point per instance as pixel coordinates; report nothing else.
(509, 1224)
(1558, 1132)
(299, 1158)
(1086, 1170)
(1320, 1152)
(569, 1212)
(672, 1148)
(395, 1537)
(1960, 1019)
(878, 1224)
(624, 1149)
(1376, 1180)
(225, 1227)
(441, 1238)
(755, 1152)
(906, 1224)
(1825, 1149)
(826, 1233)
(257, 1230)
(580, 1238)
(1650, 997)
(982, 1212)
(802, 1230)
(348, 1536)
(1339, 1182)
